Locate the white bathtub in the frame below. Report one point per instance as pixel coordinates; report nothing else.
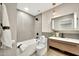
(30, 48)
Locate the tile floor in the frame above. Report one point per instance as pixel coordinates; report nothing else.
(52, 52)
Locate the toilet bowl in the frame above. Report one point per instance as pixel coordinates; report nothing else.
(41, 46)
(41, 50)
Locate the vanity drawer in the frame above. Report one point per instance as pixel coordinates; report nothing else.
(65, 46)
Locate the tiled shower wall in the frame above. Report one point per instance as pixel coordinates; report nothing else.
(25, 26)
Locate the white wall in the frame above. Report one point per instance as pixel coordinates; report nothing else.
(66, 8)
(46, 21)
(25, 26)
(59, 10)
(38, 25)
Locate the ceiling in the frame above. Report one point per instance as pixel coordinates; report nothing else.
(35, 8)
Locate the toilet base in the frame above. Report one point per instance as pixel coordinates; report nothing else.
(41, 52)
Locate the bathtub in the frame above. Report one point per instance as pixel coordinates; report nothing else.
(30, 47)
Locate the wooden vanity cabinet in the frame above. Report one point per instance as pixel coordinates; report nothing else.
(64, 46)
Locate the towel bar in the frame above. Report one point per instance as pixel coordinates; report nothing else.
(5, 27)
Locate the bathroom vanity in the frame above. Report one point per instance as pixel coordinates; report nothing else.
(68, 24)
(65, 44)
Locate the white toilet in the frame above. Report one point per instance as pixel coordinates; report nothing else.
(41, 46)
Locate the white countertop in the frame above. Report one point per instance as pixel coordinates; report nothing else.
(65, 39)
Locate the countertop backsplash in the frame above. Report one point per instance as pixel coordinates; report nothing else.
(48, 34)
